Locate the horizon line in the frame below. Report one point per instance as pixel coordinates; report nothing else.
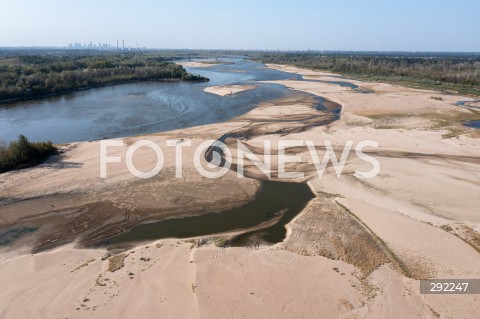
(129, 49)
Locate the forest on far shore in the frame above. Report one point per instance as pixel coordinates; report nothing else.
(457, 72)
(26, 76)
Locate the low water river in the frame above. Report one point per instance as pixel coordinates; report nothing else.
(140, 108)
(150, 107)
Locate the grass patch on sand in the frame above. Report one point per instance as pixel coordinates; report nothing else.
(394, 258)
(221, 241)
(385, 121)
(417, 268)
(327, 229)
(452, 122)
(465, 233)
(471, 236)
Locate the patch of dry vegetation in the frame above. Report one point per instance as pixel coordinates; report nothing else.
(326, 229)
(116, 262)
(418, 268)
(383, 121)
(85, 264)
(471, 236)
(464, 232)
(452, 122)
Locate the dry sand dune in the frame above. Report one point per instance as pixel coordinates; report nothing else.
(356, 251)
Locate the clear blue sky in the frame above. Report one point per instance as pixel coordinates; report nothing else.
(408, 25)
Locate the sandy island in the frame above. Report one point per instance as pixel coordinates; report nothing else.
(200, 64)
(223, 90)
(356, 251)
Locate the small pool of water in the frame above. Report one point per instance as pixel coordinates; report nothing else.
(474, 124)
(475, 104)
(275, 200)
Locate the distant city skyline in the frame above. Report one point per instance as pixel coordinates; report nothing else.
(267, 25)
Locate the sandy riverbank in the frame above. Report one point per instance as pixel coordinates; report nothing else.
(417, 219)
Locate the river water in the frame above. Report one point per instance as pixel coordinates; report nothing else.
(141, 107)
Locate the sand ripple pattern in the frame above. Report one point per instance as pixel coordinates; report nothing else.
(277, 258)
(220, 254)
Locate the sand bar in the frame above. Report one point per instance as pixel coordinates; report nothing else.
(223, 90)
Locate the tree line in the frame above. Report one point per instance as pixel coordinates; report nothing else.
(456, 71)
(43, 75)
